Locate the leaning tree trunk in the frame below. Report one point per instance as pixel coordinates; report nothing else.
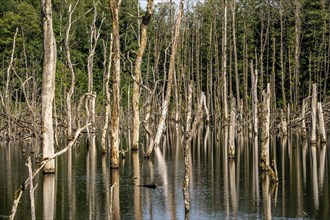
(48, 85)
(137, 75)
(165, 105)
(114, 129)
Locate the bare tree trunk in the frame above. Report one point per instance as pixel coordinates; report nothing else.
(232, 126)
(190, 130)
(254, 83)
(107, 94)
(321, 122)
(161, 125)
(265, 130)
(137, 75)
(69, 63)
(297, 48)
(224, 64)
(281, 56)
(114, 128)
(95, 33)
(284, 125)
(303, 121)
(48, 86)
(313, 107)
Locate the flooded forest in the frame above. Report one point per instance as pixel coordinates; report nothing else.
(164, 109)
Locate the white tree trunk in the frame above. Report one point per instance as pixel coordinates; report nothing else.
(107, 101)
(303, 121)
(232, 126)
(313, 107)
(254, 79)
(48, 86)
(224, 64)
(321, 122)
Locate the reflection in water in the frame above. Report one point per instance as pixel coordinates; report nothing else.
(322, 165)
(115, 205)
(137, 181)
(255, 169)
(220, 188)
(106, 179)
(48, 196)
(266, 197)
(91, 177)
(315, 178)
(225, 173)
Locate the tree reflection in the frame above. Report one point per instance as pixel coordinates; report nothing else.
(49, 182)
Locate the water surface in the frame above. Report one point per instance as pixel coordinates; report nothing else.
(219, 187)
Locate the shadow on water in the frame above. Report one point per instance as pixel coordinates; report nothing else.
(85, 188)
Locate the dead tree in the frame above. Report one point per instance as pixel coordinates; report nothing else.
(114, 128)
(321, 123)
(137, 74)
(70, 66)
(48, 85)
(190, 130)
(264, 163)
(107, 95)
(313, 108)
(232, 126)
(165, 105)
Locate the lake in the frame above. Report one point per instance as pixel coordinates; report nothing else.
(85, 188)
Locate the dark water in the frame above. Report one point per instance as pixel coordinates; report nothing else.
(220, 187)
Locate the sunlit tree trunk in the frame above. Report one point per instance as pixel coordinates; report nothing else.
(114, 129)
(321, 122)
(137, 75)
(303, 120)
(48, 85)
(313, 108)
(254, 84)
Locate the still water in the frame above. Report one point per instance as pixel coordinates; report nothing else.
(220, 187)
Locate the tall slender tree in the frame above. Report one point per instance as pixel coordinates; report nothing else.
(137, 74)
(48, 85)
(114, 129)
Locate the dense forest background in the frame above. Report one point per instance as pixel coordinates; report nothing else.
(288, 42)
